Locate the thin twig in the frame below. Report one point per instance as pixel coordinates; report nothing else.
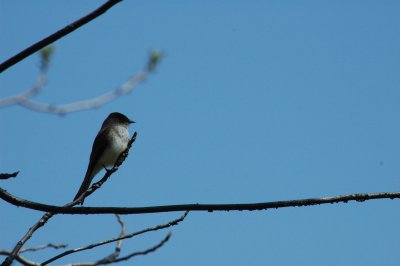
(50, 245)
(147, 251)
(113, 256)
(57, 35)
(155, 228)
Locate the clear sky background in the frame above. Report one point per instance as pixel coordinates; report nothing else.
(254, 101)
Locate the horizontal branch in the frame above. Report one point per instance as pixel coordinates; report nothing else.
(195, 207)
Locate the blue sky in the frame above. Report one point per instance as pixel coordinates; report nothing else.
(260, 101)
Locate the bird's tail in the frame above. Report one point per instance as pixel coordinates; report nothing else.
(85, 185)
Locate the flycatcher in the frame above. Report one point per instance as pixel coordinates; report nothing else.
(108, 145)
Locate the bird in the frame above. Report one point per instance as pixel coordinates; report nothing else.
(111, 140)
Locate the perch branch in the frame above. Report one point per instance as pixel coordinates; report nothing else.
(197, 207)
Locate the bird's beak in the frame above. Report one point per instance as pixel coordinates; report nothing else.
(131, 122)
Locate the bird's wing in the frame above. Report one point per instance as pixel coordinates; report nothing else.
(99, 145)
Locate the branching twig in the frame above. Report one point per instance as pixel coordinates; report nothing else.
(127, 257)
(24, 99)
(147, 251)
(155, 228)
(196, 207)
(48, 215)
(57, 35)
(7, 176)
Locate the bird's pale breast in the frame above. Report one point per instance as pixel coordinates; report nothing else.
(118, 143)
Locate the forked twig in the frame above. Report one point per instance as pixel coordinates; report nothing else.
(155, 228)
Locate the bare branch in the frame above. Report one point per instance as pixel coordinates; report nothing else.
(86, 104)
(48, 215)
(25, 238)
(7, 176)
(197, 207)
(155, 228)
(57, 35)
(147, 251)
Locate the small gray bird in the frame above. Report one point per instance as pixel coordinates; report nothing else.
(108, 145)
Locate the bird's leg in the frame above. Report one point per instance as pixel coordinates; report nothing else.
(105, 168)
